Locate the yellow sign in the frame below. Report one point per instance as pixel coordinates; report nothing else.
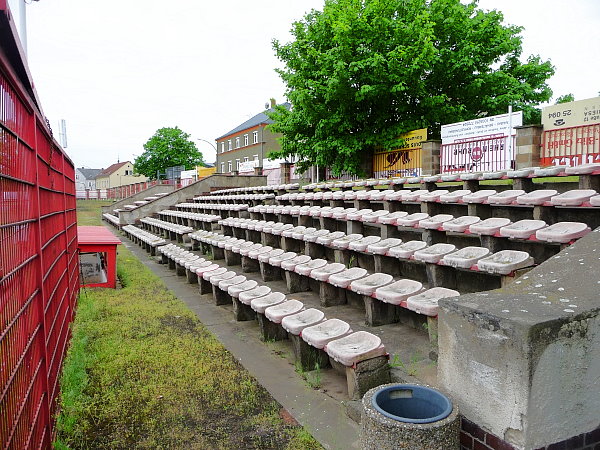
(572, 114)
(205, 171)
(412, 140)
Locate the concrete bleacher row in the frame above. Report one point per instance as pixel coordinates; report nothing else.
(211, 198)
(193, 220)
(317, 341)
(170, 230)
(142, 237)
(114, 220)
(270, 187)
(212, 206)
(139, 203)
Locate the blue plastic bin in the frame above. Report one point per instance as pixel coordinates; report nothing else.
(412, 404)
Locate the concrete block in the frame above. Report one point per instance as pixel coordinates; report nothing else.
(232, 259)
(269, 272)
(241, 311)
(249, 265)
(378, 312)
(331, 295)
(192, 278)
(296, 282)
(204, 286)
(270, 331)
(309, 357)
(220, 297)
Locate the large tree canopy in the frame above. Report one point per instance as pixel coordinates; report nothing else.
(361, 72)
(167, 148)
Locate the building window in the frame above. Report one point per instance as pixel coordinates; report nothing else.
(245, 159)
(229, 164)
(245, 139)
(255, 157)
(222, 147)
(237, 164)
(229, 144)
(237, 142)
(222, 167)
(255, 137)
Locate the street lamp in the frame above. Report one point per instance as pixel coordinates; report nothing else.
(208, 142)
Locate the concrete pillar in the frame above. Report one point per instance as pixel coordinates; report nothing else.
(286, 172)
(528, 146)
(430, 157)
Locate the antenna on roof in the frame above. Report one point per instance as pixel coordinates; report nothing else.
(266, 106)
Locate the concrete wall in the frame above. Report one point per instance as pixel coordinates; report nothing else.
(201, 187)
(524, 362)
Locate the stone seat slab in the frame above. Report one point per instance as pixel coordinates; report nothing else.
(583, 169)
(411, 219)
(407, 249)
(505, 262)
(460, 224)
(225, 284)
(505, 197)
(316, 235)
(549, 171)
(355, 347)
(290, 232)
(344, 242)
(208, 275)
(434, 222)
(261, 303)
(276, 261)
(323, 273)
(235, 289)
(328, 239)
(361, 245)
(574, 197)
(357, 215)
(277, 231)
(479, 196)
(522, 229)
(390, 219)
(383, 246)
(454, 196)
(433, 196)
(497, 175)
(276, 313)
(246, 297)
(265, 257)
(246, 250)
(489, 227)
(412, 196)
(216, 279)
(398, 291)
(299, 235)
(563, 232)
(291, 264)
(295, 323)
(466, 257)
(324, 332)
(306, 268)
(427, 301)
(342, 215)
(521, 173)
(330, 212)
(368, 285)
(241, 246)
(200, 271)
(537, 197)
(450, 177)
(434, 253)
(344, 278)
(374, 216)
(254, 254)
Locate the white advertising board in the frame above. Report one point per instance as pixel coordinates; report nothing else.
(493, 126)
(248, 166)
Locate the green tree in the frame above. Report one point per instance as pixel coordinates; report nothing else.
(361, 72)
(168, 147)
(565, 99)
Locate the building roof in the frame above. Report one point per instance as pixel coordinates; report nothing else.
(111, 169)
(89, 174)
(254, 121)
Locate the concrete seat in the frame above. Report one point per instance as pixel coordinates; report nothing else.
(583, 169)
(374, 216)
(432, 196)
(489, 227)
(318, 195)
(563, 232)
(432, 178)
(549, 171)
(243, 248)
(407, 249)
(398, 291)
(434, 222)
(497, 175)
(434, 253)
(454, 196)
(290, 264)
(254, 254)
(505, 262)
(276, 313)
(312, 237)
(306, 268)
(195, 263)
(355, 347)
(363, 195)
(350, 195)
(235, 289)
(201, 270)
(479, 196)
(229, 244)
(323, 273)
(341, 215)
(523, 229)
(290, 231)
(304, 211)
(344, 278)
(595, 200)
(398, 180)
(330, 212)
(393, 196)
(337, 195)
(217, 278)
(411, 219)
(278, 230)
(261, 303)
(574, 197)
(344, 241)
(276, 261)
(296, 323)
(521, 173)
(299, 235)
(246, 297)
(321, 210)
(357, 215)
(314, 211)
(414, 180)
(310, 196)
(537, 197)
(361, 245)
(465, 257)
(221, 242)
(251, 224)
(471, 176)
(390, 219)
(324, 332)
(225, 284)
(245, 251)
(460, 224)
(447, 177)
(427, 302)
(261, 226)
(378, 195)
(326, 195)
(265, 257)
(505, 197)
(213, 273)
(412, 196)
(329, 238)
(383, 246)
(368, 285)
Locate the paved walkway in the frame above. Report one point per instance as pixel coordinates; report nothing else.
(320, 411)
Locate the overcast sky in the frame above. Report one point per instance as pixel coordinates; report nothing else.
(117, 71)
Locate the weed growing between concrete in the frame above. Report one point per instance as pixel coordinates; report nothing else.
(313, 378)
(411, 368)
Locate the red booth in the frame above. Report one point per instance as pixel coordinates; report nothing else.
(97, 257)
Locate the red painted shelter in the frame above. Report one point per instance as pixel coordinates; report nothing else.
(99, 240)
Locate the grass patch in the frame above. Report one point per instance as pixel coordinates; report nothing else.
(89, 212)
(143, 372)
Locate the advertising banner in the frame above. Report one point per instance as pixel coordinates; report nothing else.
(404, 161)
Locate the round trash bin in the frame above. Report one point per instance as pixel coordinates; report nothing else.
(408, 416)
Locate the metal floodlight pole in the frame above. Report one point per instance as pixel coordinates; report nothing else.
(208, 142)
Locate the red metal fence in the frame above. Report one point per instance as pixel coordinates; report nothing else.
(571, 146)
(478, 155)
(38, 256)
(128, 190)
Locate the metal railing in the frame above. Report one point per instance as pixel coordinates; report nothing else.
(478, 155)
(571, 146)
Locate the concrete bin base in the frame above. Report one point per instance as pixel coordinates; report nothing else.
(381, 432)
